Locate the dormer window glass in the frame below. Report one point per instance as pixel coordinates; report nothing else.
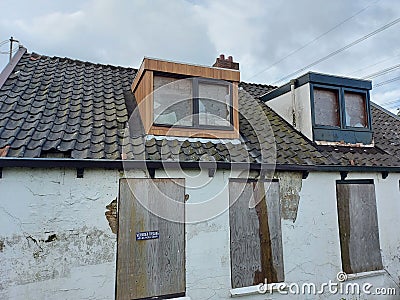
(214, 104)
(192, 102)
(339, 107)
(326, 107)
(173, 101)
(355, 108)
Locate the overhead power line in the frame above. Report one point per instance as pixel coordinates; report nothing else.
(340, 50)
(374, 64)
(381, 72)
(386, 82)
(313, 40)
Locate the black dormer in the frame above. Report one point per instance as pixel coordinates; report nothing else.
(327, 108)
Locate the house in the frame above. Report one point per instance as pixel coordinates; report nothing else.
(180, 181)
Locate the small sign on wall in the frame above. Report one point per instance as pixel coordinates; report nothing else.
(147, 235)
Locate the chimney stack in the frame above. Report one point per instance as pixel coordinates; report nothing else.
(221, 62)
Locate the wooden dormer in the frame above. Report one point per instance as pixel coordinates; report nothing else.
(179, 99)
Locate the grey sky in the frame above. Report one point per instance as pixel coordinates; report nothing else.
(257, 33)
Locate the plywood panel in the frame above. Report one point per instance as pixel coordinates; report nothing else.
(358, 227)
(256, 239)
(275, 230)
(245, 241)
(153, 267)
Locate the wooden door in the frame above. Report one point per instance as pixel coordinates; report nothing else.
(151, 249)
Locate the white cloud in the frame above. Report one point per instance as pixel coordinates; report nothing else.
(256, 33)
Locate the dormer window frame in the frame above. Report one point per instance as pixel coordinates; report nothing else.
(143, 87)
(196, 81)
(342, 107)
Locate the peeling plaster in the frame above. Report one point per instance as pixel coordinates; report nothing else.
(112, 216)
(290, 184)
(32, 259)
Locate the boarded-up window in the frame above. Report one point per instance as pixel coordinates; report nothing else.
(358, 226)
(256, 239)
(356, 114)
(151, 249)
(326, 107)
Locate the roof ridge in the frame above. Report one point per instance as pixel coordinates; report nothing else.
(259, 84)
(384, 110)
(11, 65)
(79, 61)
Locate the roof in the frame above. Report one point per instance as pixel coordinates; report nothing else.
(52, 105)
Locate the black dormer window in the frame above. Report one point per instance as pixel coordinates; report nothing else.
(341, 114)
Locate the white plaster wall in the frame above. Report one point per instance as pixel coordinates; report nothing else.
(80, 263)
(283, 106)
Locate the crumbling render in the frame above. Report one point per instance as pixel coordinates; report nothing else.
(290, 184)
(112, 216)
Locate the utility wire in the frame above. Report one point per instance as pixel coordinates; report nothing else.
(312, 41)
(8, 52)
(381, 72)
(340, 50)
(386, 82)
(374, 64)
(4, 42)
(391, 102)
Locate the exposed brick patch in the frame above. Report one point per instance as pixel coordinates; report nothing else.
(112, 216)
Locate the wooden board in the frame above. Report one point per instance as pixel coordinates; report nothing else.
(184, 69)
(194, 132)
(256, 242)
(153, 267)
(358, 227)
(144, 98)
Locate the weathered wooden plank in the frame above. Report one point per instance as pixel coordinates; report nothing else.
(155, 267)
(275, 229)
(358, 227)
(256, 242)
(191, 70)
(245, 242)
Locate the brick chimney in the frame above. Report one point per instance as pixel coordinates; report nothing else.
(221, 62)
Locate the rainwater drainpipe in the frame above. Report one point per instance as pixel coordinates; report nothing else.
(292, 89)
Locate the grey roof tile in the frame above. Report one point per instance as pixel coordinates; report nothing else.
(60, 104)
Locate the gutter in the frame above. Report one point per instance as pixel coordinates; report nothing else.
(7, 162)
(11, 65)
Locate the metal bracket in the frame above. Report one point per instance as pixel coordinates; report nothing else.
(385, 174)
(152, 172)
(343, 175)
(211, 172)
(1, 172)
(305, 174)
(79, 172)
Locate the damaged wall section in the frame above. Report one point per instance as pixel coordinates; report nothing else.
(290, 187)
(54, 237)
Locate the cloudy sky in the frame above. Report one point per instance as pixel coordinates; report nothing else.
(271, 40)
